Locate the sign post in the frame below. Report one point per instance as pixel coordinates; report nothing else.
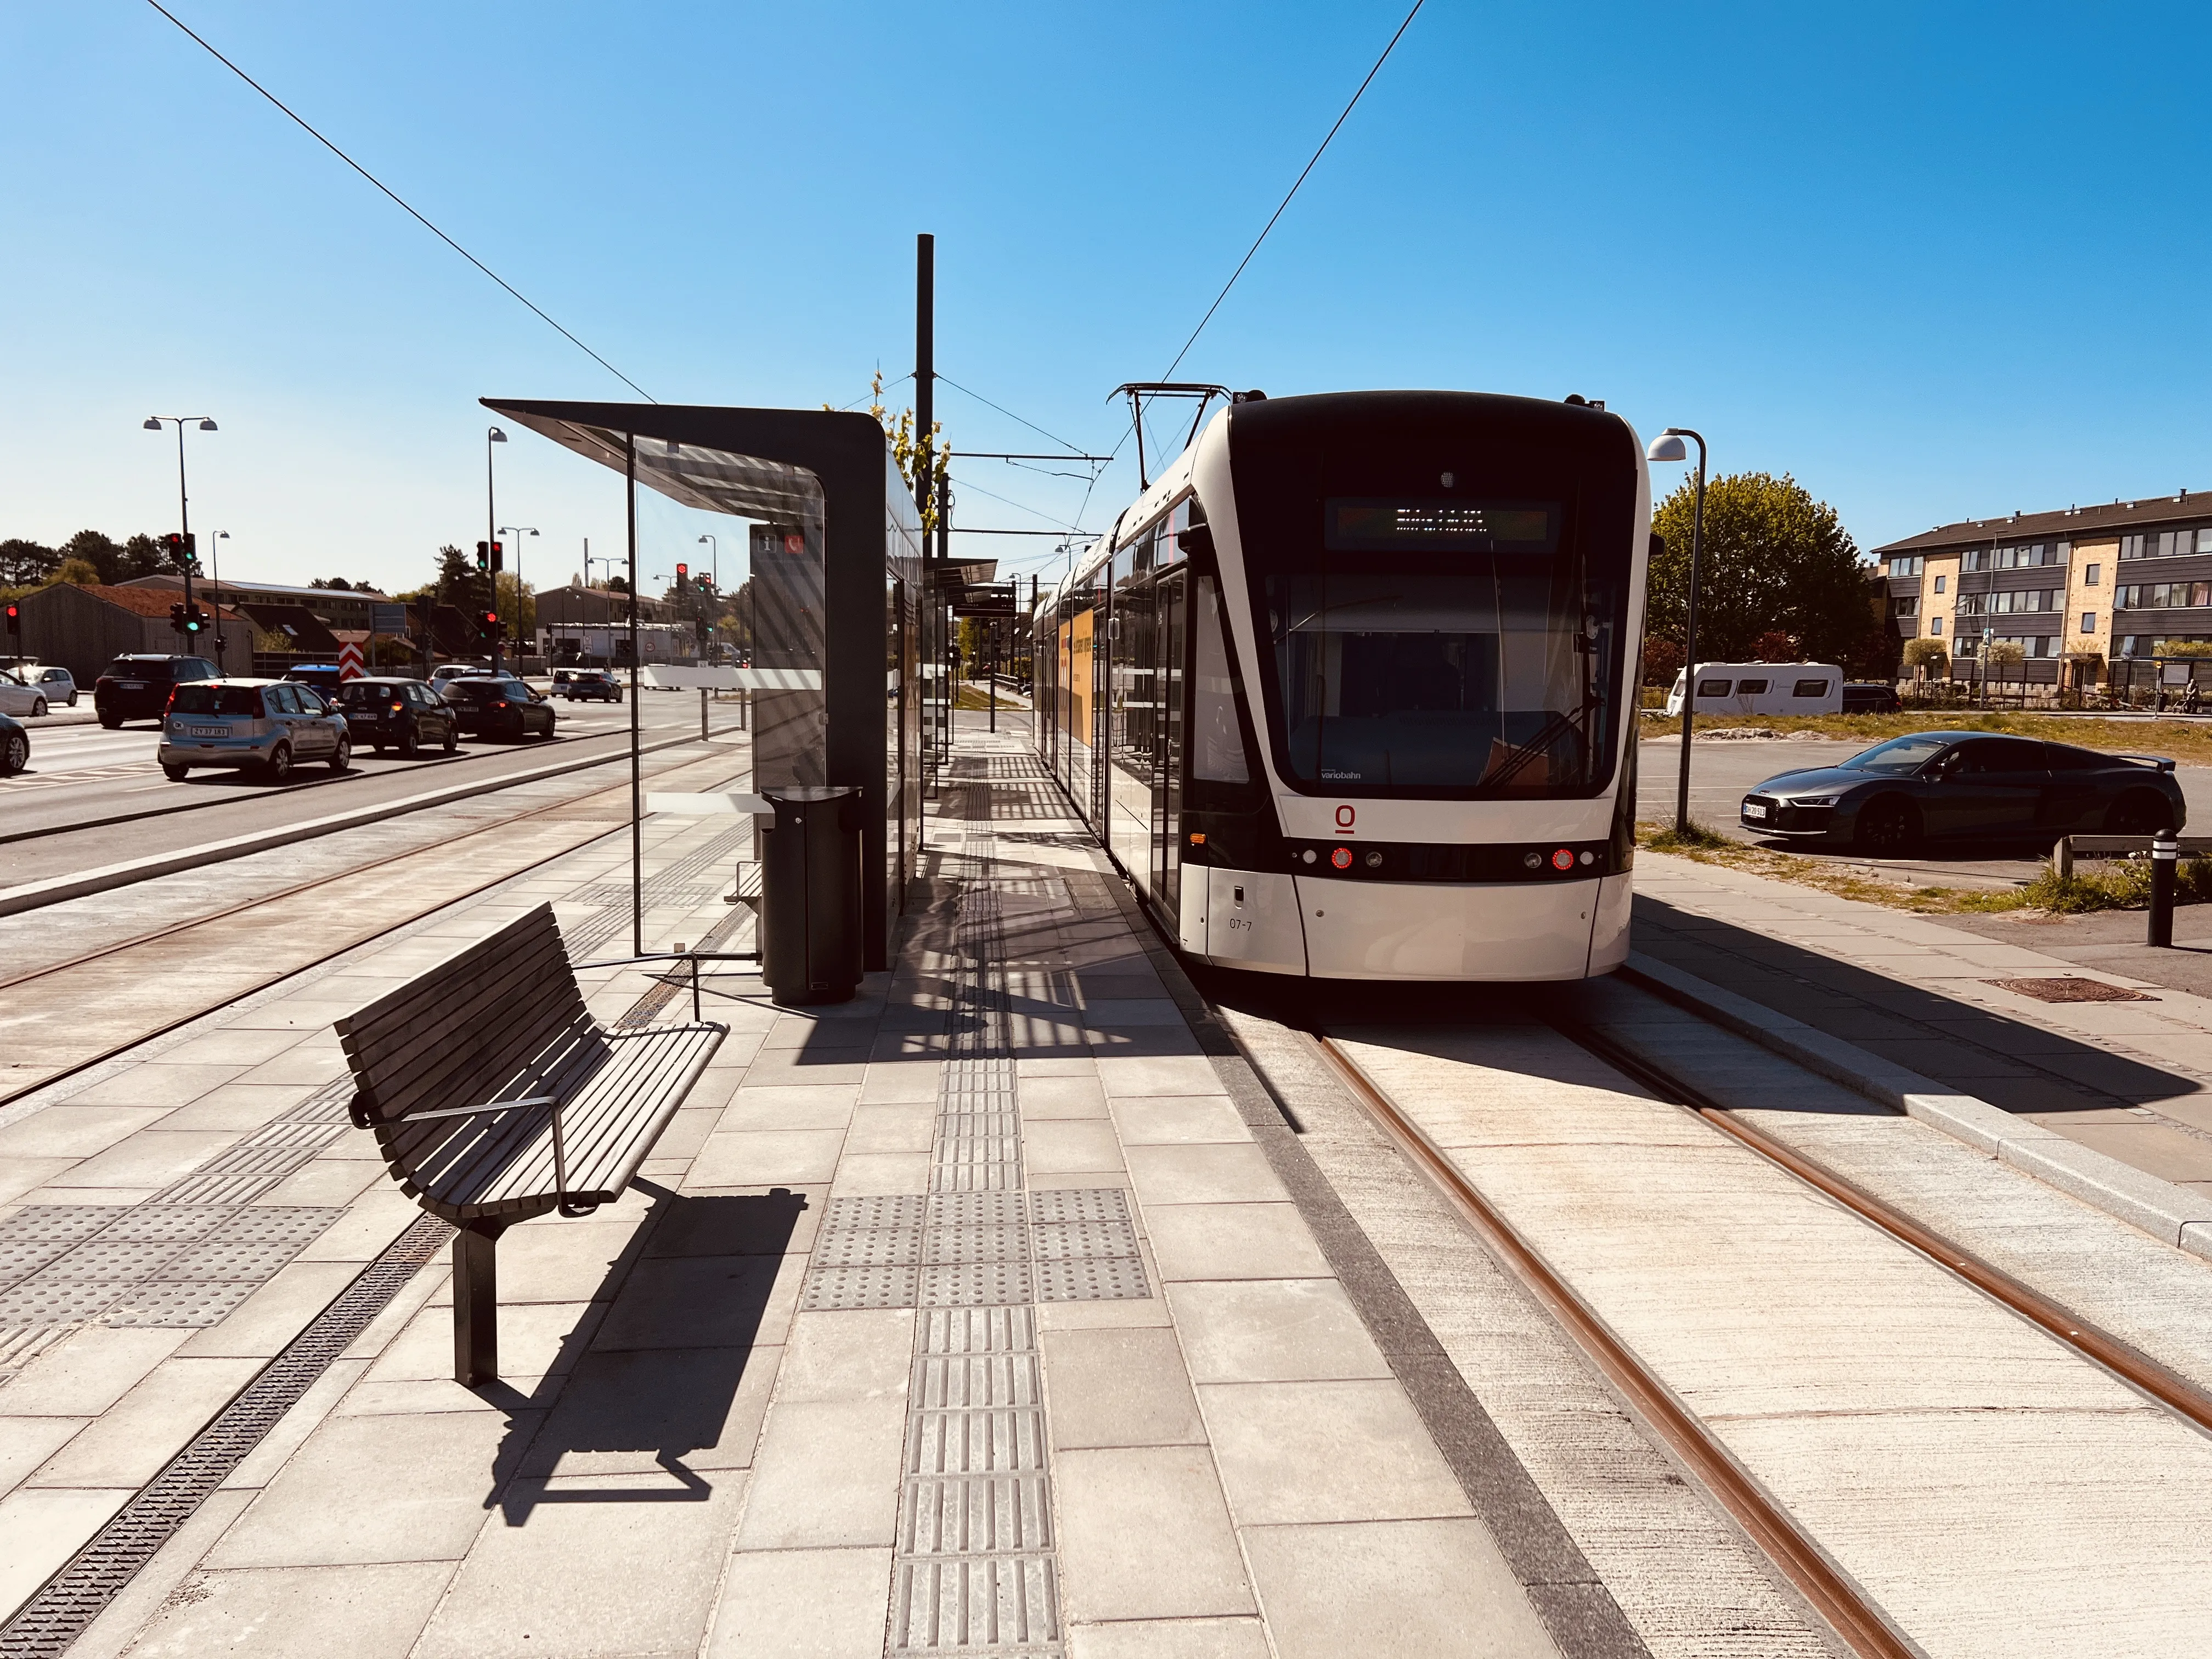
(349, 666)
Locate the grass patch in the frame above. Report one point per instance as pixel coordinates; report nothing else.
(1693, 837)
(2186, 741)
(2118, 885)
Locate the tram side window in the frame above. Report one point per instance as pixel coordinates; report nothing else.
(1217, 746)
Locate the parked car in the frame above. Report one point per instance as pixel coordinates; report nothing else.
(398, 714)
(595, 683)
(1968, 785)
(268, 726)
(137, 687)
(501, 708)
(1869, 697)
(14, 747)
(323, 676)
(454, 671)
(58, 684)
(17, 698)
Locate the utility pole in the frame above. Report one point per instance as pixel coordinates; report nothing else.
(924, 413)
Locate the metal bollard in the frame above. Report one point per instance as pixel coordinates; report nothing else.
(2165, 859)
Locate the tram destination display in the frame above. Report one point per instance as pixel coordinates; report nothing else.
(1372, 524)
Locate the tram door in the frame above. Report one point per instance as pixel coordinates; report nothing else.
(1167, 740)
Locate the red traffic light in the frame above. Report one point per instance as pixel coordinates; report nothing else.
(682, 573)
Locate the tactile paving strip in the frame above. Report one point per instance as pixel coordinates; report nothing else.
(46, 1626)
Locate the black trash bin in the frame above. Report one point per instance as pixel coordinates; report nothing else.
(811, 906)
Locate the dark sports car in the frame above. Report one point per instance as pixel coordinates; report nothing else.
(1968, 785)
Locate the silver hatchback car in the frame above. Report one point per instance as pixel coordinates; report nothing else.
(268, 726)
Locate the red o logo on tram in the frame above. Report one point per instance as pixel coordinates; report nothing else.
(1344, 818)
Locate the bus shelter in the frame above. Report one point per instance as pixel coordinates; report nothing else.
(838, 594)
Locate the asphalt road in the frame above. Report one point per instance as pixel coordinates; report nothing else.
(1722, 771)
(86, 798)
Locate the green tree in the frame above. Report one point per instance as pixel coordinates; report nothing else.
(1775, 561)
(22, 563)
(516, 607)
(1926, 654)
(100, 552)
(460, 583)
(78, 573)
(144, 557)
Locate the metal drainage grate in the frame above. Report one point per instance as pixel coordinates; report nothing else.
(2070, 990)
(73, 1597)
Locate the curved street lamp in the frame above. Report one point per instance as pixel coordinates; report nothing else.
(1668, 447)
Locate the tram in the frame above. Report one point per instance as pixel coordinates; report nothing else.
(1349, 692)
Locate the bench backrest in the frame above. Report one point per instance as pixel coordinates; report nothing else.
(455, 1033)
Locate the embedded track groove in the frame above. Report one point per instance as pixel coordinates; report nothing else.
(175, 929)
(1830, 1592)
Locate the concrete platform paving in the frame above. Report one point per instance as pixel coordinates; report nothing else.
(797, 1393)
(2132, 1080)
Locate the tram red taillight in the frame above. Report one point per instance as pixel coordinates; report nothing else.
(1342, 858)
(1563, 860)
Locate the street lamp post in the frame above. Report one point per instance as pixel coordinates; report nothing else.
(153, 423)
(1668, 447)
(520, 532)
(492, 436)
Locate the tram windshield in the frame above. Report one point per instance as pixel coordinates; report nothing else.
(1449, 662)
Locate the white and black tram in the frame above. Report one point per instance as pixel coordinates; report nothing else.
(1350, 692)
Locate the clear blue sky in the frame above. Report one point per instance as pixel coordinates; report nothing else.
(1935, 261)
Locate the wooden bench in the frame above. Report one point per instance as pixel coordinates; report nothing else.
(494, 1095)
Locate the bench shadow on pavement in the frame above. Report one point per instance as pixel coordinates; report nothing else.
(653, 1386)
(2010, 1063)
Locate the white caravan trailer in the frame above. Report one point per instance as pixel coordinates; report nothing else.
(1763, 688)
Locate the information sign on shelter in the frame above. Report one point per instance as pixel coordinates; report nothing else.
(349, 666)
(388, 619)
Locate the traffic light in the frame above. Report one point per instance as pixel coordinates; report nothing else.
(177, 617)
(683, 576)
(195, 620)
(14, 623)
(488, 626)
(484, 558)
(191, 552)
(705, 583)
(496, 561)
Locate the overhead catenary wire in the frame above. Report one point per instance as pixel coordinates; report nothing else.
(1311, 161)
(407, 207)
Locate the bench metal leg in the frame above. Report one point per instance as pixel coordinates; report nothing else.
(475, 1304)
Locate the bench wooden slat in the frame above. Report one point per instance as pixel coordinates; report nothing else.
(503, 1019)
(445, 1000)
(409, 1048)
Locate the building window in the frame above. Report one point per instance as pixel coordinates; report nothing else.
(2089, 576)
(2021, 556)
(1908, 605)
(2165, 543)
(1906, 567)
(2163, 596)
(1940, 581)
(2088, 622)
(1936, 628)
(2000, 605)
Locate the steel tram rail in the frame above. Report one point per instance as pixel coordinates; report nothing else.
(1799, 1558)
(175, 928)
(1830, 1592)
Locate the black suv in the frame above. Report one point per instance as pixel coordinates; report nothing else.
(500, 708)
(591, 683)
(397, 714)
(137, 688)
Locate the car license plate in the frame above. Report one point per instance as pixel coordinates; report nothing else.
(131, 685)
(210, 731)
(1752, 809)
